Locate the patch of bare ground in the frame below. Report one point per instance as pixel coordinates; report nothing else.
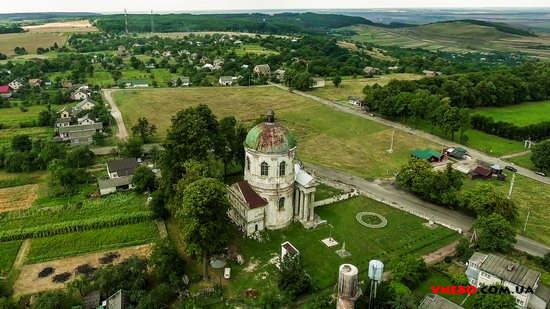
(30, 283)
(15, 198)
(68, 26)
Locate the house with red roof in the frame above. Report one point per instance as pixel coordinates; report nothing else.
(5, 91)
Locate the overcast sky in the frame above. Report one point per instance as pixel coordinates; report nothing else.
(190, 5)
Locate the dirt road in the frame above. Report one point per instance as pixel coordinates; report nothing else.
(117, 115)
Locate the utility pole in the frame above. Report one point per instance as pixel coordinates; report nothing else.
(126, 21)
(512, 186)
(152, 23)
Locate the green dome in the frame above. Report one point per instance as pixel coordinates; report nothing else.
(270, 137)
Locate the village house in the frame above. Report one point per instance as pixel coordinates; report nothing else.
(67, 85)
(429, 73)
(434, 301)
(225, 81)
(279, 75)
(167, 54)
(393, 68)
(69, 133)
(218, 62)
(5, 91)
(357, 101)
(182, 81)
(244, 66)
(64, 113)
(150, 66)
(86, 104)
(427, 155)
(262, 69)
(62, 122)
(85, 120)
(276, 191)
(489, 269)
(121, 50)
(120, 174)
(456, 152)
(371, 71)
(35, 82)
(15, 85)
(79, 95)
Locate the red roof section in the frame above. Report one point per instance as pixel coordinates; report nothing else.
(5, 89)
(482, 171)
(252, 198)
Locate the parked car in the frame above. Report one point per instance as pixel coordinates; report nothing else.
(227, 273)
(543, 174)
(511, 168)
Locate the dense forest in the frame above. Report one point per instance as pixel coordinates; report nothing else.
(10, 28)
(284, 23)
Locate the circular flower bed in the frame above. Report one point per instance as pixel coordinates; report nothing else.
(373, 220)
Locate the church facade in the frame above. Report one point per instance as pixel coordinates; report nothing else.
(276, 190)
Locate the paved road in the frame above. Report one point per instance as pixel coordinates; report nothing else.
(117, 115)
(390, 194)
(472, 152)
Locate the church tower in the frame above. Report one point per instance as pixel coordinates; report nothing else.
(269, 169)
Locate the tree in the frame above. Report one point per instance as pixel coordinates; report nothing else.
(80, 157)
(494, 233)
(8, 303)
(167, 263)
(21, 142)
(402, 297)
(131, 148)
(337, 80)
(485, 200)
(98, 138)
(293, 278)
(494, 301)
(53, 299)
(409, 270)
(546, 261)
(66, 178)
(143, 129)
(540, 155)
(203, 212)
(144, 179)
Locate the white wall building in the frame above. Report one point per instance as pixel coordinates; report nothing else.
(275, 191)
(489, 269)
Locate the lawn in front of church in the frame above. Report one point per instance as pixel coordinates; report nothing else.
(404, 234)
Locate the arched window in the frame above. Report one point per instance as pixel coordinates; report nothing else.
(264, 169)
(282, 168)
(281, 203)
(248, 164)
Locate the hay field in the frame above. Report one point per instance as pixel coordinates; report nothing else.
(66, 26)
(520, 114)
(30, 41)
(15, 198)
(325, 136)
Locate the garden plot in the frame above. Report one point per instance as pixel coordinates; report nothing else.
(15, 198)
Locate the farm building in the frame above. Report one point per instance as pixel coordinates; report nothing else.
(15, 85)
(434, 301)
(225, 81)
(456, 152)
(480, 172)
(371, 71)
(5, 91)
(35, 82)
(62, 122)
(429, 73)
(279, 74)
(182, 81)
(78, 134)
(262, 69)
(113, 185)
(86, 104)
(121, 167)
(357, 101)
(318, 83)
(427, 155)
(134, 83)
(85, 120)
(288, 248)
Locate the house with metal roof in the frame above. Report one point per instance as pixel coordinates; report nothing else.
(121, 167)
(107, 186)
(226, 81)
(427, 155)
(434, 301)
(77, 133)
(489, 269)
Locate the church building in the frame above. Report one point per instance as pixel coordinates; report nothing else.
(276, 190)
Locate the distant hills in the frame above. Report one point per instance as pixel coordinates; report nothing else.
(48, 15)
(502, 27)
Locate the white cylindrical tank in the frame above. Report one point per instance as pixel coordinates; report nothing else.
(347, 281)
(376, 269)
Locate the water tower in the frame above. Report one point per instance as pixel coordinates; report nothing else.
(348, 289)
(376, 269)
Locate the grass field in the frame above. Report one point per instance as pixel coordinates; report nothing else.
(521, 114)
(11, 117)
(490, 144)
(530, 196)
(36, 132)
(323, 191)
(358, 147)
(30, 41)
(66, 245)
(436, 279)
(523, 161)
(68, 26)
(161, 76)
(8, 253)
(101, 78)
(404, 234)
(254, 49)
(455, 37)
(354, 87)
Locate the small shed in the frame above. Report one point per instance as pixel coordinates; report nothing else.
(456, 152)
(288, 248)
(427, 155)
(357, 101)
(496, 169)
(123, 183)
(480, 172)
